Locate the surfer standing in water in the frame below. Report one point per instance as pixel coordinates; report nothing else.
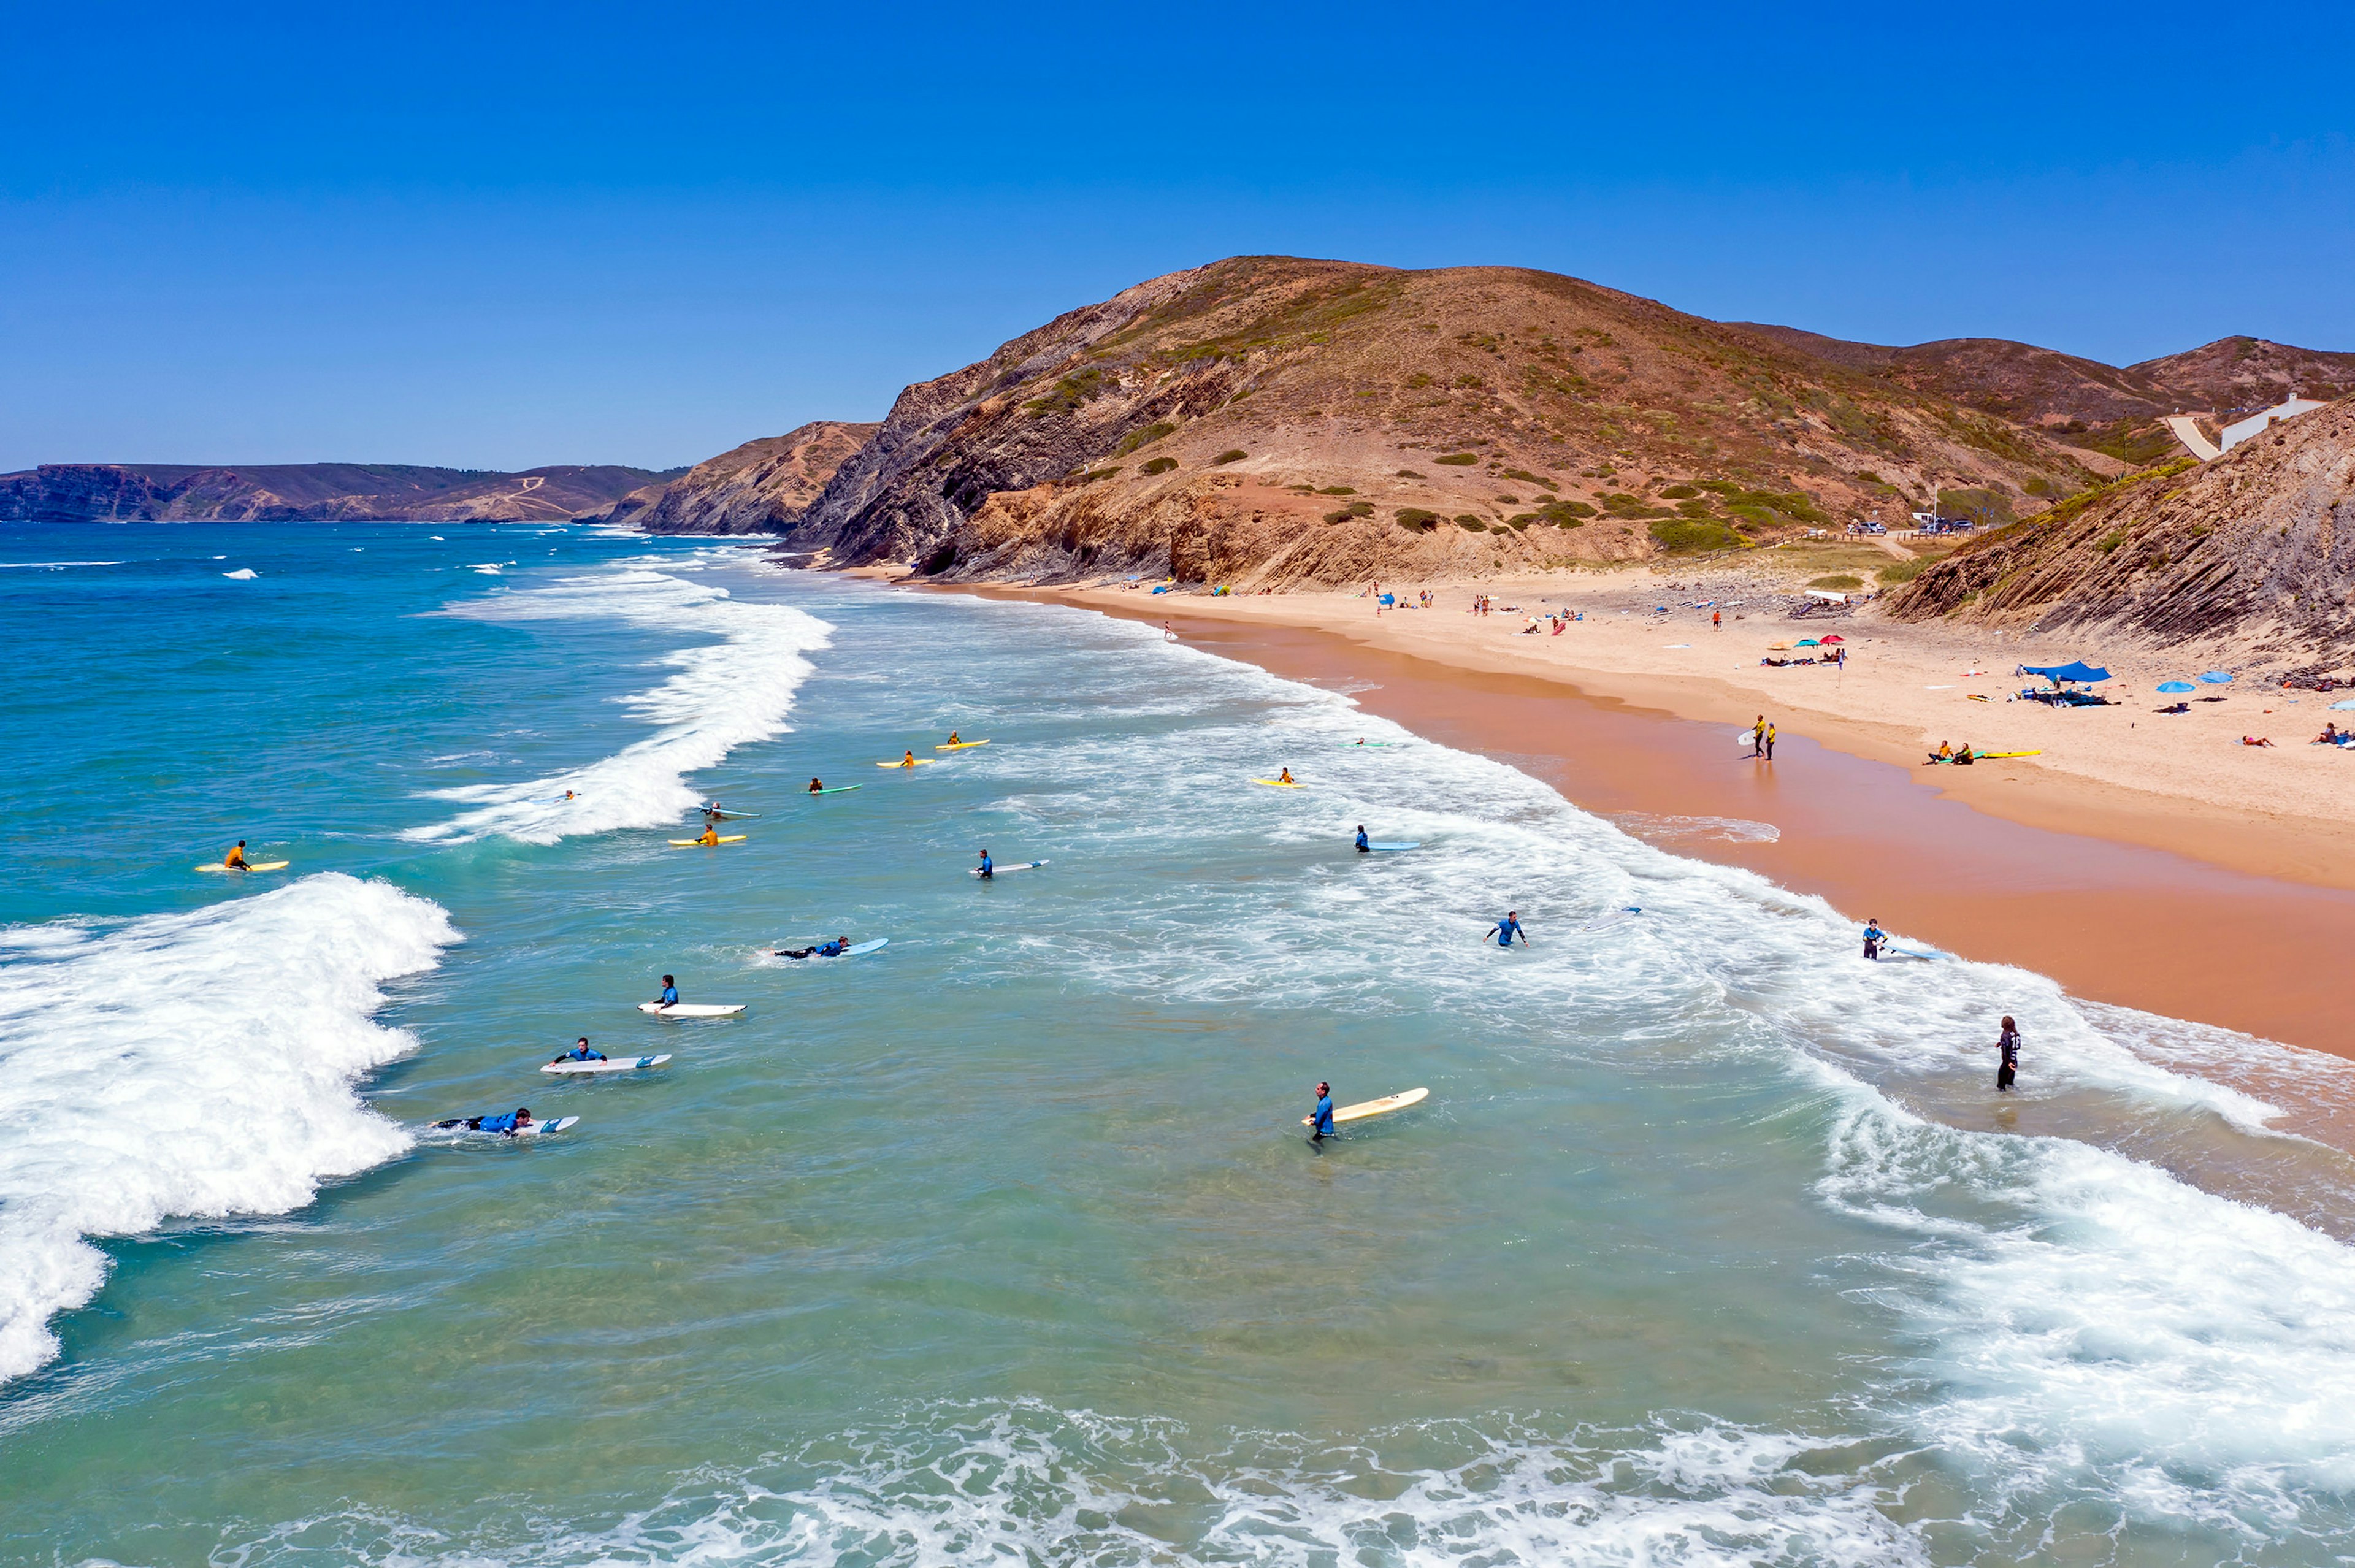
(2006, 1047)
(1508, 928)
(1873, 937)
(1321, 1120)
(988, 868)
(669, 998)
(1363, 849)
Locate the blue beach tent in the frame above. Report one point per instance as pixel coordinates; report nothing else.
(2061, 672)
(2215, 678)
(2176, 685)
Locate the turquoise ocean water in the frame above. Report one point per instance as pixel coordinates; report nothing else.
(1711, 1246)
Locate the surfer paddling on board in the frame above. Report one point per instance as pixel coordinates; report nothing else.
(1508, 928)
(989, 869)
(235, 859)
(669, 998)
(816, 786)
(1363, 849)
(1321, 1120)
(506, 1122)
(580, 1052)
(833, 949)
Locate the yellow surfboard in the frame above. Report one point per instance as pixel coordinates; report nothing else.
(1381, 1107)
(918, 763)
(1983, 754)
(1279, 784)
(960, 745)
(256, 866)
(691, 843)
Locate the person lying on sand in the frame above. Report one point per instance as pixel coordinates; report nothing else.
(2255, 740)
(2177, 707)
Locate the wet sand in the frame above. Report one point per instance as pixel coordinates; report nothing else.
(2113, 922)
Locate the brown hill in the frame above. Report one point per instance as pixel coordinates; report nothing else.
(1268, 420)
(2255, 550)
(308, 492)
(2235, 374)
(760, 487)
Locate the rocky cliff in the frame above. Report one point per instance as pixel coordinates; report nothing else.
(309, 491)
(2256, 548)
(1265, 421)
(763, 486)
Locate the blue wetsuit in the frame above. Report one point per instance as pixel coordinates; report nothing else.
(670, 995)
(1321, 1120)
(1361, 841)
(830, 950)
(504, 1122)
(582, 1054)
(988, 868)
(1509, 929)
(1873, 937)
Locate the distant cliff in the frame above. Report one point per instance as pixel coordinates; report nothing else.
(309, 491)
(2257, 547)
(763, 486)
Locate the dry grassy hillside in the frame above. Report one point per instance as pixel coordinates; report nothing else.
(759, 487)
(2255, 551)
(1266, 421)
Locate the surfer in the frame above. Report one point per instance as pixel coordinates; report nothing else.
(669, 998)
(988, 867)
(711, 833)
(580, 1052)
(816, 787)
(1767, 738)
(1362, 847)
(954, 740)
(712, 814)
(504, 1122)
(908, 760)
(1508, 928)
(2006, 1047)
(833, 949)
(1873, 937)
(1321, 1120)
(1284, 776)
(1758, 736)
(235, 859)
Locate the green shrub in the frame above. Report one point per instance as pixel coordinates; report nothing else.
(1359, 509)
(1338, 490)
(1459, 459)
(2115, 537)
(1094, 474)
(1469, 380)
(1418, 519)
(1408, 474)
(1508, 500)
(1678, 493)
(1418, 380)
(1566, 514)
(1905, 570)
(1869, 477)
(1471, 524)
(1697, 511)
(1526, 477)
(1068, 394)
(1838, 581)
(1521, 523)
(1145, 437)
(1678, 535)
(1232, 455)
(1161, 465)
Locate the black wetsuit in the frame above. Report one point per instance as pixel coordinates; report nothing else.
(2008, 1070)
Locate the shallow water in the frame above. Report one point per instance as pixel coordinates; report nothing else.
(1710, 1246)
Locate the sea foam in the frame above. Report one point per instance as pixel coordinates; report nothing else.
(187, 1065)
(723, 694)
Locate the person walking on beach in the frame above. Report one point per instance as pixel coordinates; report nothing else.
(669, 998)
(1768, 737)
(2006, 1047)
(1758, 736)
(1508, 928)
(1321, 1120)
(1716, 620)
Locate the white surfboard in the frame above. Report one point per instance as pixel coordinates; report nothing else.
(618, 1064)
(1416, 845)
(1364, 1109)
(1001, 871)
(692, 1009)
(1614, 918)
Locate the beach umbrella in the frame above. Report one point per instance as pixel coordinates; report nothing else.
(2341, 707)
(2215, 678)
(1834, 637)
(2175, 686)
(1809, 643)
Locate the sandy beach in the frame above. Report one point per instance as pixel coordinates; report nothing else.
(2143, 861)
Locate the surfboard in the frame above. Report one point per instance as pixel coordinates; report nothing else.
(1889, 952)
(960, 745)
(1001, 871)
(1364, 1109)
(918, 763)
(1416, 845)
(256, 866)
(2038, 752)
(1278, 783)
(1368, 745)
(533, 1131)
(691, 843)
(834, 789)
(692, 1009)
(733, 815)
(617, 1064)
(857, 948)
(1614, 918)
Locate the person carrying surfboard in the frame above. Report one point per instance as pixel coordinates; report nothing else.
(1873, 937)
(235, 859)
(1508, 928)
(988, 867)
(669, 998)
(580, 1052)
(1363, 847)
(1321, 1120)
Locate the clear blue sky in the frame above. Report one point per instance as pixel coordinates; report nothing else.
(503, 235)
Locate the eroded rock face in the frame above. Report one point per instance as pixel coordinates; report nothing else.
(1269, 421)
(2259, 543)
(763, 486)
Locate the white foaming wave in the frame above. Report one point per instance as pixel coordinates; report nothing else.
(1025, 1482)
(194, 1065)
(2086, 1318)
(724, 695)
(50, 565)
